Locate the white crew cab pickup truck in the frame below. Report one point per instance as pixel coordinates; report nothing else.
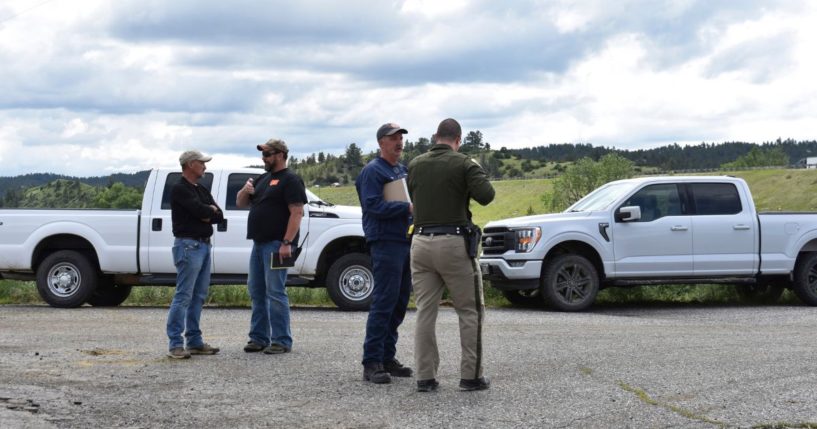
(95, 256)
(652, 230)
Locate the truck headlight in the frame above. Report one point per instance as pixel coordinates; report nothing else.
(526, 238)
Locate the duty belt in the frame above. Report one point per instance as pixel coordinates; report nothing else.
(202, 239)
(442, 229)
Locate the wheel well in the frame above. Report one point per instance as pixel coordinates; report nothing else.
(577, 248)
(811, 246)
(55, 243)
(334, 250)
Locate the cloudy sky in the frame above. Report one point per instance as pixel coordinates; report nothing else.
(93, 87)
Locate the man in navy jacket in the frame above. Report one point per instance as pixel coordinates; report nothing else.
(385, 224)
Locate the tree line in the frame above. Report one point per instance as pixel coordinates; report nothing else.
(504, 163)
(322, 169)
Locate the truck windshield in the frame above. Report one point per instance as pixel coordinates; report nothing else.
(602, 197)
(313, 199)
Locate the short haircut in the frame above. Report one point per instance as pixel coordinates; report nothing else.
(449, 129)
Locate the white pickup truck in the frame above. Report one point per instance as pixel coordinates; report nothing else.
(653, 230)
(95, 256)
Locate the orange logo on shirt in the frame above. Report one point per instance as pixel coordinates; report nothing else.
(273, 182)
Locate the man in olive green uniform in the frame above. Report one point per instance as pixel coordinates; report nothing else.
(441, 183)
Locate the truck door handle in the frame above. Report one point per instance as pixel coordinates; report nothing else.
(679, 228)
(156, 225)
(222, 226)
(740, 227)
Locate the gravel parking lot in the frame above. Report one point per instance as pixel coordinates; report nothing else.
(616, 367)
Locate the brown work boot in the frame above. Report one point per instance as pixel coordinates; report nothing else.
(204, 349)
(178, 353)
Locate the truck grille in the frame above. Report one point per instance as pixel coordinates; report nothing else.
(496, 241)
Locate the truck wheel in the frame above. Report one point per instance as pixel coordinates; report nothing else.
(524, 298)
(350, 281)
(109, 294)
(66, 279)
(569, 283)
(760, 293)
(805, 279)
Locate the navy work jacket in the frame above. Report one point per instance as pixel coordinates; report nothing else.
(382, 220)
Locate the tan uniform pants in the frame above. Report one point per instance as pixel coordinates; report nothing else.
(440, 262)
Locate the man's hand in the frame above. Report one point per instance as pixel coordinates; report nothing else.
(285, 251)
(248, 187)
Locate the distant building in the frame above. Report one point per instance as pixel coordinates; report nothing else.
(810, 162)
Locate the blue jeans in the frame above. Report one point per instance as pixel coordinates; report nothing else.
(390, 297)
(192, 260)
(269, 323)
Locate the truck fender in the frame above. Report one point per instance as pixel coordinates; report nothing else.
(604, 252)
(806, 243)
(64, 228)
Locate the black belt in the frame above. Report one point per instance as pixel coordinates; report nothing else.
(202, 239)
(442, 229)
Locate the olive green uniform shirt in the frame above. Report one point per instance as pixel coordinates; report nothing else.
(441, 182)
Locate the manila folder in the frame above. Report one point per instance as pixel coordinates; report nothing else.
(396, 190)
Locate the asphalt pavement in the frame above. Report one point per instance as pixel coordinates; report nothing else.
(614, 367)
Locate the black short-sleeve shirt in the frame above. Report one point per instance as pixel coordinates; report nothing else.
(269, 212)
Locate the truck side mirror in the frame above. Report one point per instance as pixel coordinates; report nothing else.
(628, 214)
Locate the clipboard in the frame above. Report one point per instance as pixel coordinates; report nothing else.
(396, 190)
(275, 262)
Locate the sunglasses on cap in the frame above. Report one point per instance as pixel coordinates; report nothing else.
(269, 153)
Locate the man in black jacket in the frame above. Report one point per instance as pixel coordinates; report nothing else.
(193, 211)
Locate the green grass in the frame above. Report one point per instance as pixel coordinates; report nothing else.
(18, 292)
(710, 294)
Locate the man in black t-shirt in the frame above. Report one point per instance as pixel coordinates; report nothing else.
(276, 200)
(193, 212)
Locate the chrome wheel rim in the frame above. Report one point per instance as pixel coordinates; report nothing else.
(356, 283)
(64, 279)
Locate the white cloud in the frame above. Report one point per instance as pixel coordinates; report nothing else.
(92, 87)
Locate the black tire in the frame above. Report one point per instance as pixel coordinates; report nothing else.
(805, 278)
(350, 281)
(763, 293)
(66, 279)
(109, 294)
(569, 283)
(525, 298)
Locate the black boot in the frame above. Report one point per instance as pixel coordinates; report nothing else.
(396, 369)
(481, 383)
(375, 373)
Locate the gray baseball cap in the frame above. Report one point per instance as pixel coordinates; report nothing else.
(389, 129)
(193, 155)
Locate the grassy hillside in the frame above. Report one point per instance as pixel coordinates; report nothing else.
(513, 198)
(782, 190)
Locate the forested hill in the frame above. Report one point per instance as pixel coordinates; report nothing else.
(136, 180)
(671, 157)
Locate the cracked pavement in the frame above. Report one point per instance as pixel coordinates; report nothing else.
(680, 367)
